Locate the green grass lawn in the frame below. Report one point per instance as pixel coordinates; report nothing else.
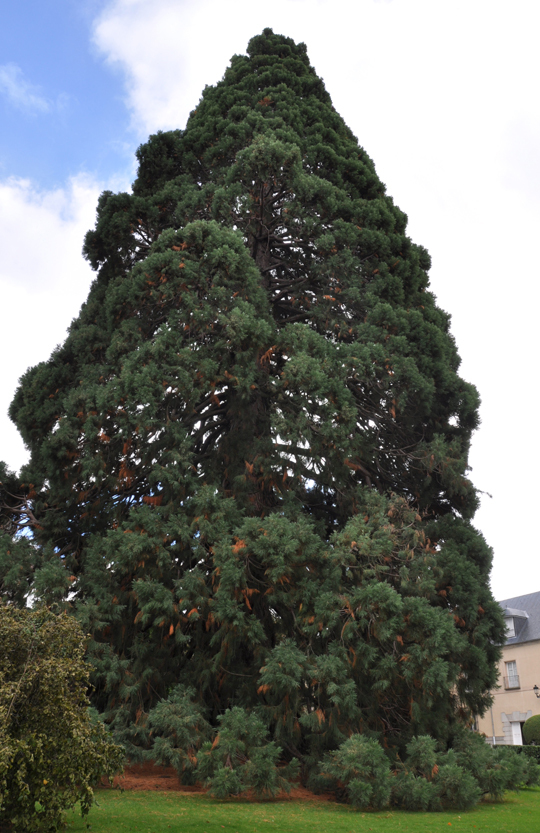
(166, 812)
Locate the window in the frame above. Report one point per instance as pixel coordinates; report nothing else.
(510, 628)
(511, 679)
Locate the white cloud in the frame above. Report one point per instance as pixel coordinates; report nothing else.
(49, 224)
(43, 280)
(155, 78)
(521, 169)
(169, 50)
(20, 92)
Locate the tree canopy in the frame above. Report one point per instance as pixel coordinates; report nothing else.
(248, 466)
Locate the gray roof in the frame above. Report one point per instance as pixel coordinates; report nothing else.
(525, 610)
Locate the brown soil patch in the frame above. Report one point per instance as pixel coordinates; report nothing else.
(149, 776)
(299, 793)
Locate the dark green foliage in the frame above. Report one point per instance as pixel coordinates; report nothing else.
(18, 556)
(248, 463)
(495, 769)
(361, 767)
(51, 752)
(530, 752)
(177, 728)
(457, 788)
(414, 787)
(414, 792)
(531, 730)
(520, 769)
(241, 758)
(432, 780)
(427, 779)
(486, 764)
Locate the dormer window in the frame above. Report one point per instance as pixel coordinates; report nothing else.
(515, 621)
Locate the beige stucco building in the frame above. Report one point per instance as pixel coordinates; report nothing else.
(518, 695)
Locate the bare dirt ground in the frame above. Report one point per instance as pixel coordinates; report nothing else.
(148, 776)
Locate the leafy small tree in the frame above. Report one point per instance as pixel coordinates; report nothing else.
(51, 753)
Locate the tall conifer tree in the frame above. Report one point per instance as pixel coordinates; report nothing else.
(249, 458)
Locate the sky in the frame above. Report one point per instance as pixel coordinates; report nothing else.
(442, 95)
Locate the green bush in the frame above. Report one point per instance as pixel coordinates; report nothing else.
(361, 767)
(457, 788)
(414, 787)
(178, 728)
(428, 779)
(431, 780)
(530, 752)
(241, 758)
(533, 766)
(521, 770)
(414, 792)
(495, 769)
(51, 752)
(531, 730)
(491, 768)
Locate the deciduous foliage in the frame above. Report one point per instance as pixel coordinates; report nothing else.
(249, 458)
(51, 753)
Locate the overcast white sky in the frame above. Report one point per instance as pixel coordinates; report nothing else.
(443, 95)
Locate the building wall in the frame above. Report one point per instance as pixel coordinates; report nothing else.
(512, 707)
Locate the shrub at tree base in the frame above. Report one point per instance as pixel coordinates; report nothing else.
(242, 759)
(530, 752)
(178, 728)
(496, 769)
(415, 787)
(531, 730)
(51, 752)
(427, 779)
(362, 767)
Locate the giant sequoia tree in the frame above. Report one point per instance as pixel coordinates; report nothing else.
(249, 459)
